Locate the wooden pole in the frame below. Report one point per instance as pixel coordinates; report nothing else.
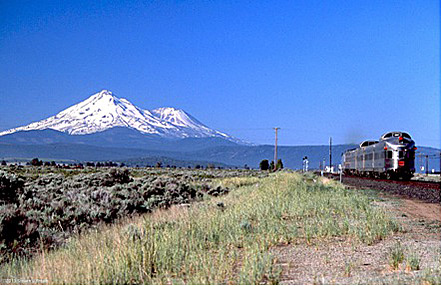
(330, 153)
(276, 146)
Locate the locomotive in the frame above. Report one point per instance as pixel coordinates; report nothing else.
(391, 157)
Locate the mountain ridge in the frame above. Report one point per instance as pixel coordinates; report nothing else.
(113, 137)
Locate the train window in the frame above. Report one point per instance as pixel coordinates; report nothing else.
(401, 154)
(406, 135)
(389, 154)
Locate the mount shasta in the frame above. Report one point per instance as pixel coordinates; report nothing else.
(103, 111)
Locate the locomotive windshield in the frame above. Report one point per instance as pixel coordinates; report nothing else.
(368, 143)
(395, 134)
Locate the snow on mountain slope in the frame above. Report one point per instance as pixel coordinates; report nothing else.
(187, 123)
(103, 110)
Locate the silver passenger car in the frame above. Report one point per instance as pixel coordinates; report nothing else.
(390, 157)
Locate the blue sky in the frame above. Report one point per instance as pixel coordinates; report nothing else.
(347, 69)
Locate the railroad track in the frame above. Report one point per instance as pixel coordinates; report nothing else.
(425, 191)
(420, 184)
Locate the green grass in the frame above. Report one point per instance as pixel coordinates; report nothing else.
(396, 256)
(431, 277)
(413, 262)
(208, 244)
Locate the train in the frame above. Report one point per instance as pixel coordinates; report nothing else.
(390, 157)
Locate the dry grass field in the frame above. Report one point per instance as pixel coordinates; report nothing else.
(282, 228)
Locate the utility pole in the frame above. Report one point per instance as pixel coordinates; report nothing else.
(426, 165)
(276, 146)
(330, 153)
(420, 162)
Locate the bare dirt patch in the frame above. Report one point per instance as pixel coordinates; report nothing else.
(420, 210)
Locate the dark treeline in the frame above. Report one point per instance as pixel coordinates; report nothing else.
(264, 165)
(36, 162)
(40, 163)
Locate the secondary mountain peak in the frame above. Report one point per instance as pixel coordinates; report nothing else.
(104, 110)
(176, 116)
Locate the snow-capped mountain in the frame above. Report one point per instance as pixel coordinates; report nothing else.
(104, 110)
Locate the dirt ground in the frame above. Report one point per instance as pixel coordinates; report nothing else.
(417, 209)
(343, 261)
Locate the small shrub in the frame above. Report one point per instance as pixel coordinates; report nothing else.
(117, 176)
(279, 165)
(264, 165)
(217, 191)
(431, 277)
(348, 267)
(10, 187)
(133, 232)
(246, 226)
(396, 256)
(413, 262)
